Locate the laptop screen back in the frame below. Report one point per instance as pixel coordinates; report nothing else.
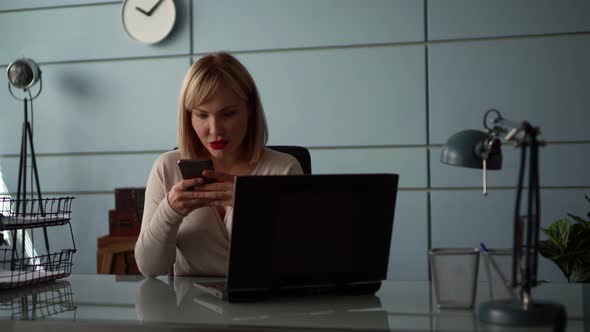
(311, 230)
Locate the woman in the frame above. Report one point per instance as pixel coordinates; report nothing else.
(186, 222)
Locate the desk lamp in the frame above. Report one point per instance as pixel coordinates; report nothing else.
(482, 150)
(24, 74)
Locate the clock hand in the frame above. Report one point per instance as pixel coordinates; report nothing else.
(151, 11)
(143, 11)
(154, 7)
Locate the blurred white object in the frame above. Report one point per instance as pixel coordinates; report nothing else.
(3, 193)
(29, 250)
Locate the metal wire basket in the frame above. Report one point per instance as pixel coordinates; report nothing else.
(22, 263)
(30, 213)
(26, 271)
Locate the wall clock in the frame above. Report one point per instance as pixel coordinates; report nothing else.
(148, 21)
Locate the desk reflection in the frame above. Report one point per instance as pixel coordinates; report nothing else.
(38, 302)
(179, 301)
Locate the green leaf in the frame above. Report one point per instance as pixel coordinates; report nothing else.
(568, 246)
(565, 266)
(579, 238)
(551, 251)
(548, 249)
(582, 222)
(558, 232)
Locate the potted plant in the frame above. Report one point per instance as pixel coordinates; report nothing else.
(568, 246)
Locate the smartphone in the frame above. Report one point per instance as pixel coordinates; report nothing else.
(191, 169)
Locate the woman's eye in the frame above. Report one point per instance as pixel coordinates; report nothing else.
(201, 115)
(229, 114)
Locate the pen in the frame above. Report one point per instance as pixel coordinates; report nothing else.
(497, 268)
(494, 264)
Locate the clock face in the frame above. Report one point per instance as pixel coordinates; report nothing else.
(148, 21)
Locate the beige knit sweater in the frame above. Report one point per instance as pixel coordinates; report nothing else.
(197, 244)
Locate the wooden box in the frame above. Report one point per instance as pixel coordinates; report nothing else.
(124, 222)
(129, 199)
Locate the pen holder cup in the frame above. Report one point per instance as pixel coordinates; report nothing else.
(498, 265)
(454, 275)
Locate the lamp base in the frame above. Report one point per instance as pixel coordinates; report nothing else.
(511, 312)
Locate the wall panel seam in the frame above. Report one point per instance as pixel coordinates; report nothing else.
(427, 118)
(191, 31)
(131, 58)
(311, 148)
(511, 37)
(7, 11)
(312, 48)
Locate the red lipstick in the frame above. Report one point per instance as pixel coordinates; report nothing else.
(218, 145)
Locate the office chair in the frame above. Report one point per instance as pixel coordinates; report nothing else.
(300, 153)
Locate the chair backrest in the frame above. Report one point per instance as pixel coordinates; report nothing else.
(300, 153)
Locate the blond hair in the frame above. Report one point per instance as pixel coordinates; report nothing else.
(202, 80)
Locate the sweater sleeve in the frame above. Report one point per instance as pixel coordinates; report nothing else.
(155, 249)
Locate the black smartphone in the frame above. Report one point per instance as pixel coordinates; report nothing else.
(191, 169)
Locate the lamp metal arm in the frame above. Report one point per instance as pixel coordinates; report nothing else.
(509, 130)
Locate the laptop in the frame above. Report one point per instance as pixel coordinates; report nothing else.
(308, 234)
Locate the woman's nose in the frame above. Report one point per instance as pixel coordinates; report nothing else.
(216, 126)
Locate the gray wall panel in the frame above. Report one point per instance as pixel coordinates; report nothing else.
(451, 19)
(466, 218)
(277, 24)
(84, 172)
(82, 33)
(346, 97)
(90, 220)
(410, 164)
(408, 257)
(560, 165)
(81, 173)
(32, 4)
(542, 80)
(103, 106)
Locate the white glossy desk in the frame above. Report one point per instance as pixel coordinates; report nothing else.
(106, 302)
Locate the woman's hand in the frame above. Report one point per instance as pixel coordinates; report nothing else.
(182, 196)
(220, 193)
(191, 194)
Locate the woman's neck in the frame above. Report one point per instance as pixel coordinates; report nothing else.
(229, 165)
(223, 165)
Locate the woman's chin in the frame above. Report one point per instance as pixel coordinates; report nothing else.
(218, 154)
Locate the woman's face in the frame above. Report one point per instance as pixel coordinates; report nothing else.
(221, 124)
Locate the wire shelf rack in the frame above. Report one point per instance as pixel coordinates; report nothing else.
(26, 271)
(24, 262)
(31, 213)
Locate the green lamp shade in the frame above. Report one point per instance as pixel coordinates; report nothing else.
(466, 149)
